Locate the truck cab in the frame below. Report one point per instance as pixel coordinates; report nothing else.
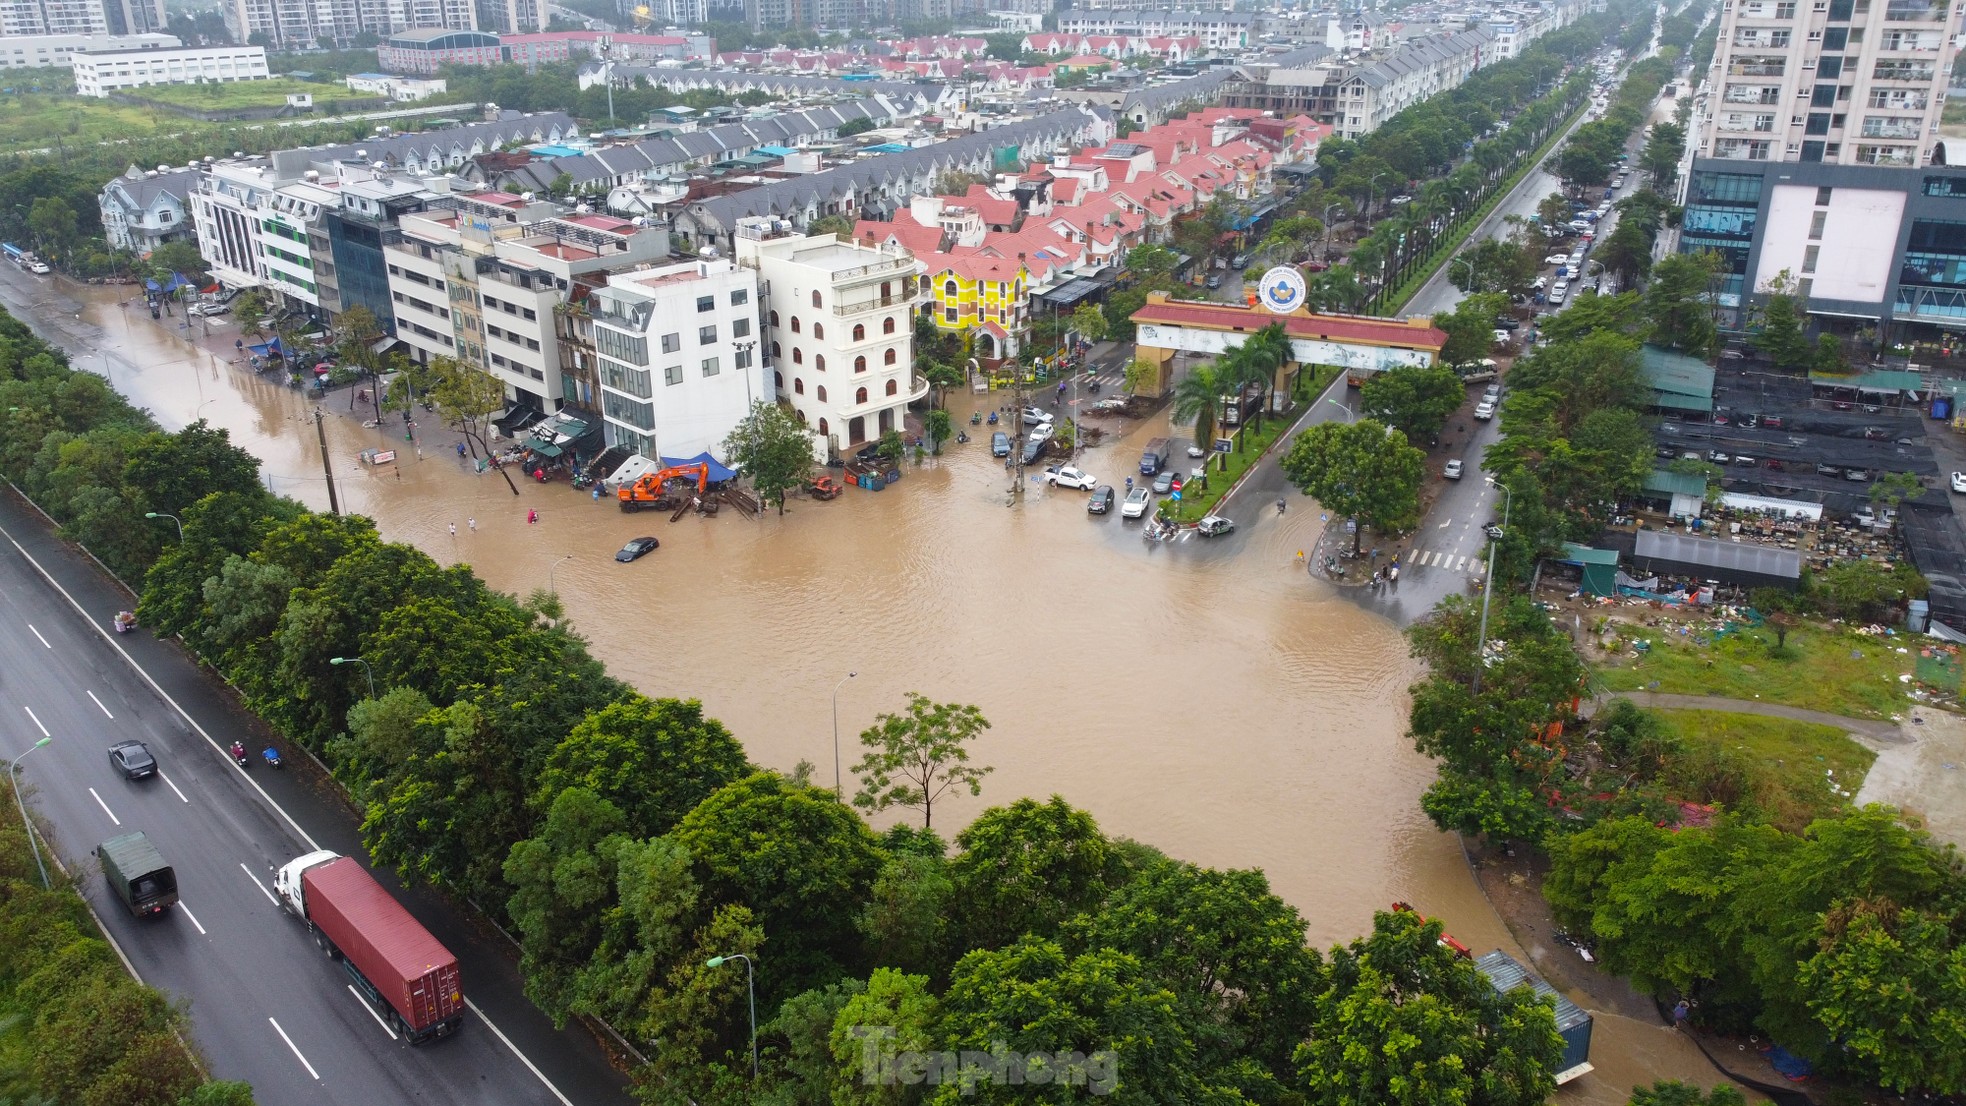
(286, 882)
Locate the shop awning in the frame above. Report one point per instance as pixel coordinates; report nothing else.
(544, 449)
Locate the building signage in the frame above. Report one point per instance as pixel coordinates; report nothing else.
(1282, 289)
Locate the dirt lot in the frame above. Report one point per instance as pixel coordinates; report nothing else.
(1925, 775)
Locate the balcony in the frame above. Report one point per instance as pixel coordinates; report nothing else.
(1756, 69)
(1886, 71)
(849, 310)
(917, 388)
(1896, 157)
(1913, 11)
(1880, 128)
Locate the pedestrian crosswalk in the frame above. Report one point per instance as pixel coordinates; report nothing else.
(1444, 559)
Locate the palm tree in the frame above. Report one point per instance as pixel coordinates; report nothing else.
(1198, 395)
(1259, 358)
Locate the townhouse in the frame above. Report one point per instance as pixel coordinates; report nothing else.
(142, 210)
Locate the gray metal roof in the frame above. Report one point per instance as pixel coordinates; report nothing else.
(143, 190)
(440, 146)
(786, 196)
(799, 84)
(1729, 556)
(673, 151)
(1204, 87)
(1136, 16)
(1503, 971)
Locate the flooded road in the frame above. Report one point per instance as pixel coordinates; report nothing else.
(1208, 698)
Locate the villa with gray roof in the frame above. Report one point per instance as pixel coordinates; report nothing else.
(142, 210)
(875, 187)
(1356, 97)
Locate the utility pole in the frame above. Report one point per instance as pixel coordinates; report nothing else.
(327, 467)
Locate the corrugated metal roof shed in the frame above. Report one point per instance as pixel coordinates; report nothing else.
(1740, 559)
(1502, 971)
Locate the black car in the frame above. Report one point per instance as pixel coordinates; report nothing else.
(636, 548)
(1504, 322)
(1101, 501)
(133, 759)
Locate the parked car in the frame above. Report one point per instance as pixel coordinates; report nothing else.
(1069, 476)
(1876, 433)
(1556, 259)
(133, 760)
(1136, 503)
(1745, 461)
(1452, 470)
(1484, 410)
(1214, 526)
(1000, 444)
(1035, 415)
(1101, 500)
(1539, 284)
(1239, 261)
(1505, 322)
(1959, 482)
(1400, 201)
(1777, 466)
(1716, 456)
(1214, 280)
(1559, 292)
(1164, 482)
(636, 549)
(1828, 470)
(1773, 422)
(1856, 476)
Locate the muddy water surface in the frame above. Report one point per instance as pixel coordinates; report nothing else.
(1208, 698)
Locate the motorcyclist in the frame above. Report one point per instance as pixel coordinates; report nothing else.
(238, 751)
(1280, 504)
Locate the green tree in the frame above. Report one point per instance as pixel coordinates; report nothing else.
(1025, 868)
(895, 1013)
(1090, 322)
(1888, 985)
(1674, 1093)
(906, 918)
(1679, 303)
(914, 757)
(839, 226)
(1780, 323)
(1470, 328)
(653, 759)
(1417, 399)
(936, 426)
(1405, 1020)
(1828, 357)
(466, 398)
(774, 449)
(1893, 488)
(563, 880)
(181, 257)
(1142, 375)
(1359, 471)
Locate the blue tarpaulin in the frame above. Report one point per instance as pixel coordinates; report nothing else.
(1789, 1064)
(268, 349)
(719, 472)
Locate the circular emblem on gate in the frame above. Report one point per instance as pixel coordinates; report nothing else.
(1282, 290)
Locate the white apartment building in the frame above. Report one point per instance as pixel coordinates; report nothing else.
(676, 351)
(1218, 30)
(55, 17)
(839, 328)
(1841, 82)
(478, 276)
(225, 209)
(38, 51)
(99, 73)
(304, 22)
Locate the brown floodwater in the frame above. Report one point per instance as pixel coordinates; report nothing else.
(1210, 699)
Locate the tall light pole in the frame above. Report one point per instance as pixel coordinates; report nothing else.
(751, 986)
(1488, 588)
(550, 585)
(1370, 186)
(366, 670)
(837, 793)
(173, 518)
(13, 778)
(1350, 415)
(1324, 249)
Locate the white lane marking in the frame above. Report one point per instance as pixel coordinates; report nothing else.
(1460, 564)
(105, 807)
(296, 1051)
(105, 710)
(186, 911)
(37, 633)
(173, 787)
(258, 884)
(372, 1013)
(523, 1059)
(37, 721)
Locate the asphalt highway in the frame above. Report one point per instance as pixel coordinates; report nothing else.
(265, 1005)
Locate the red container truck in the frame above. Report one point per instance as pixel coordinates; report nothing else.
(407, 975)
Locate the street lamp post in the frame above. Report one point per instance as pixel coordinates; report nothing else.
(751, 986)
(837, 793)
(13, 777)
(173, 518)
(550, 585)
(1350, 415)
(366, 670)
(1369, 187)
(1488, 588)
(1324, 249)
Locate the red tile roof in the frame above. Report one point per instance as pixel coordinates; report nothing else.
(1360, 329)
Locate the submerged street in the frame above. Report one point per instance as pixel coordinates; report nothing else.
(1208, 697)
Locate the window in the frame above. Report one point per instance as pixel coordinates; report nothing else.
(706, 335)
(798, 356)
(819, 361)
(860, 396)
(1823, 195)
(530, 314)
(951, 314)
(742, 359)
(672, 375)
(1816, 224)
(740, 327)
(740, 296)
(822, 393)
(671, 343)
(1804, 286)
(1809, 257)
(705, 303)
(710, 366)
(778, 381)
(860, 364)
(859, 332)
(949, 289)
(774, 318)
(887, 325)
(893, 387)
(890, 357)
(822, 428)
(799, 385)
(819, 330)
(815, 298)
(775, 355)
(795, 324)
(1836, 38)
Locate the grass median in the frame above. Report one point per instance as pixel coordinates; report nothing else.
(1226, 469)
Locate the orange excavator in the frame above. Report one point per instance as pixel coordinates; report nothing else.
(646, 491)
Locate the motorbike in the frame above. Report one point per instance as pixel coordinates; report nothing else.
(272, 756)
(239, 756)
(125, 622)
(975, 418)
(993, 418)
(962, 438)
